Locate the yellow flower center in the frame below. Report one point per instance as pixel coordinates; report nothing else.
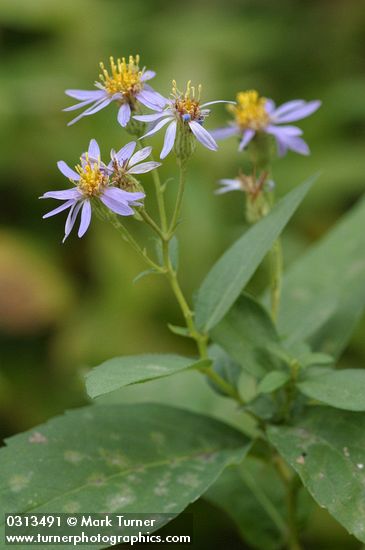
(125, 77)
(92, 180)
(250, 111)
(187, 103)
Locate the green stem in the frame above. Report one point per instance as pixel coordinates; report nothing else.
(179, 198)
(159, 195)
(147, 218)
(276, 269)
(167, 268)
(291, 502)
(265, 502)
(291, 484)
(117, 224)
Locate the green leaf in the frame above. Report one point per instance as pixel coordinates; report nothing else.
(323, 292)
(174, 252)
(124, 371)
(116, 458)
(180, 331)
(245, 333)
(327, 449)
(273, 381)
(343, 389)
(253, 495)
(144, 274)
(224, 365)
(314, 359)
(234, 269)
(247, 386)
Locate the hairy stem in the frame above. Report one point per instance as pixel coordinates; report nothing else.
(276, 269)
(131, 240)
(180, 195)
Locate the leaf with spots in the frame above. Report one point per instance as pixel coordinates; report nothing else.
(119, 372)
(117, 458)
(324, 292)
(327, 449)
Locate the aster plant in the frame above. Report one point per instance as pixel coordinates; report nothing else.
(296, 432)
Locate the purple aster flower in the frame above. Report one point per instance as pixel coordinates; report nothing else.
(246, 183)
(92, 181)
(184, 116)
(126, 163)
(126, 85)
(254, 114)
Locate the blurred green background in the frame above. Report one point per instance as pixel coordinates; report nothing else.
(64, 308)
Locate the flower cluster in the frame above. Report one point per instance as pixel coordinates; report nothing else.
(114, 185)
(94, 180)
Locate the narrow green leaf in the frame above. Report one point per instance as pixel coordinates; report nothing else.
(234, 269)
(315, 359)
(123, 371)
(144, 274)
(323, 292)
(327, 449)
(116, 458)
(174, 252)
(245, 333)
(273, 381)
(180, 331)
(343, 389)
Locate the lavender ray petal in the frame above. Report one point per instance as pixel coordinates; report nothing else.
(59, 209)
(169, 139)
(67, 171)
(248, 135)
(85, 218)
(140, 155)
(125, 152)
(287, 130)
(288, 107)
(124, 114)
(228, 185)
(92, 110)
(86, 94)
(94, 150)
(158, 126)
(63, 195)
(143, 167)
(270, 106)
(119, 195)
(218, 101)
(299, 113)
(71, 218)
(147, 75)
(151, 99)
(117, 207)
(78, 105)
(225, 132)
(150, 118)
(298, 145)
(203, 136)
